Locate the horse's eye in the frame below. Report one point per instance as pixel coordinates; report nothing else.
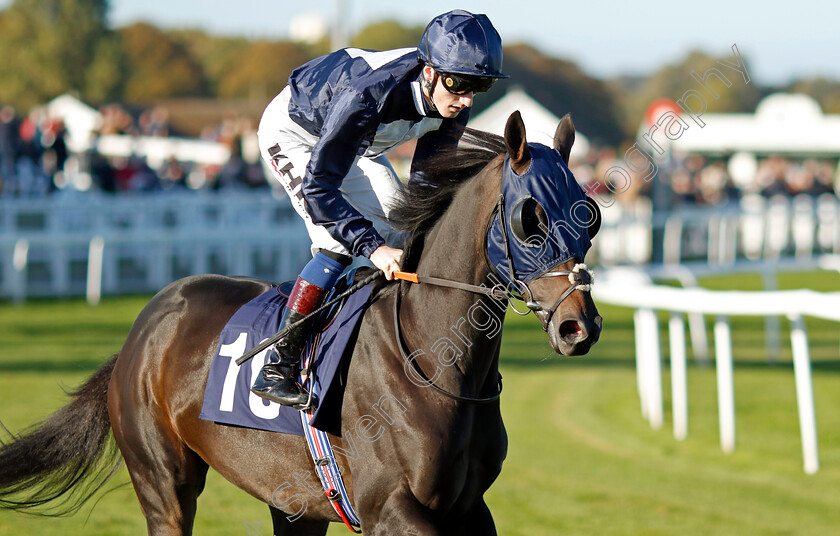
(529, 222)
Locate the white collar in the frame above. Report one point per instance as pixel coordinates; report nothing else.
(417, 93)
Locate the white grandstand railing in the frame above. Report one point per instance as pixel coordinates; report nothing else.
(155, 259)
(631, 288)
(756, 228)
(688, 273)
(93, 244)
(753, 228)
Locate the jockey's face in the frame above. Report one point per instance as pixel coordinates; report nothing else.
(448, 104)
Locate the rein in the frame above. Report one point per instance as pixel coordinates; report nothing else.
(580, 278)
(409, 357)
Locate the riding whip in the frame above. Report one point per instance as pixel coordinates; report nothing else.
(285, 331)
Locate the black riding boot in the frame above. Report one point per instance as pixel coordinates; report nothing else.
(277, 380)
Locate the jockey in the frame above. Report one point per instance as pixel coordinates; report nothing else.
(324, 138)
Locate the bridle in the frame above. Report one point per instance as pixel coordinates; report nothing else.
(580, 278)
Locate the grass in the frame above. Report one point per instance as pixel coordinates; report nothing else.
(582, 461)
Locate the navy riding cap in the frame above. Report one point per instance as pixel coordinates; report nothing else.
(459, 42)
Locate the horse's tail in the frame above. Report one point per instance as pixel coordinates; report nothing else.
(67, 457)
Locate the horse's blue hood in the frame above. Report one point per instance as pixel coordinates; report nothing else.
(545, 217)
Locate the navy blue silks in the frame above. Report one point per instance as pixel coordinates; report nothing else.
(549, 182)
(346, 99)
(349, 99)
(227, 396)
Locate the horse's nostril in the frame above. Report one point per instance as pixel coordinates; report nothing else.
(570, 330)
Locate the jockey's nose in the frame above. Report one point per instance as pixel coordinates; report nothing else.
(467, 98)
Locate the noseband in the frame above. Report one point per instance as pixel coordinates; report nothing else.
(580, 278)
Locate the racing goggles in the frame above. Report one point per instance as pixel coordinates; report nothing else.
(461, 84)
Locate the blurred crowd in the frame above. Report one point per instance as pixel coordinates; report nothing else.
(32, 151)
(694, 179)
(35, 159)
(700, 181)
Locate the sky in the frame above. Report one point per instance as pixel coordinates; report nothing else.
(781, 41)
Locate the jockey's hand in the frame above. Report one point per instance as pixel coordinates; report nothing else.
(387, 259)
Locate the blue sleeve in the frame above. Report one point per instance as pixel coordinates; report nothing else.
(435, 141)
(350, 118)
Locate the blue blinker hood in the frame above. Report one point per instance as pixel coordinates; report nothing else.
(562, 232)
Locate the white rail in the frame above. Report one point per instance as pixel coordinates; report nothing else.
(753, 228)
(631, 288)
(95, 245)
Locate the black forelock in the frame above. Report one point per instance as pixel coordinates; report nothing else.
(420, 206)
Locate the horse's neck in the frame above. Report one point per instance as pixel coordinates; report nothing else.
(454, 247)
(451, 324)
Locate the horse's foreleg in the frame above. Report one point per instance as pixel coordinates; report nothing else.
(401, 514)
(476, 522)
(300, 527)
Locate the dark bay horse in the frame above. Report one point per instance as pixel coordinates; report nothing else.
(415, 461)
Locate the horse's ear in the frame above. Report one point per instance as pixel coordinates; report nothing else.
(564, 137)
(517, 145)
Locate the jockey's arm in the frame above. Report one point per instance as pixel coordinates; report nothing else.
(350, 118)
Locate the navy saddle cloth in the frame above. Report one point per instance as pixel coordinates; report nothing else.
(227, 396)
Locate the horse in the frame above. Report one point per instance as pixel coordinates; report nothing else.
(415, 460)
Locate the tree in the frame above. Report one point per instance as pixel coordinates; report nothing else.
(561, 87)
(217, 55)
(105, 75)
(263, 70)
(825, 91)
(387, 35)
(672, 81)
(157, 66)
(53, 46)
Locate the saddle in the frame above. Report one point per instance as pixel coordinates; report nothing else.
(227, 396)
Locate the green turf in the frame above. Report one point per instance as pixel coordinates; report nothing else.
(582, 461)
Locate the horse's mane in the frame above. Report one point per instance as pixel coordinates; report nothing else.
(421, 205)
